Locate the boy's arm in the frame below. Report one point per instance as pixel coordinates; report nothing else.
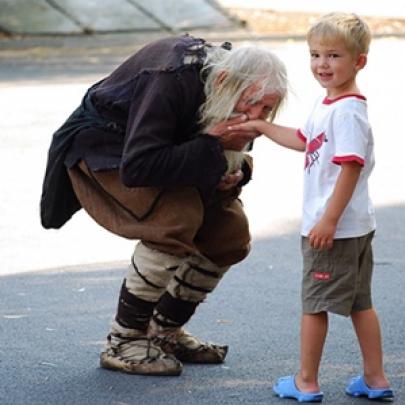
(284, 136)
(322, 234)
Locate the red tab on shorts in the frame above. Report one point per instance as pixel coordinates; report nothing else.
(322, 276)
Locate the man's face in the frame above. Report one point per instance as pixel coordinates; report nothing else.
(254, 107)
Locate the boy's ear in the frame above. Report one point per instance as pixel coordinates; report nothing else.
(361, 61)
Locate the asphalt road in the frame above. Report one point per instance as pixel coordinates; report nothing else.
(53, 325)
(54, 316)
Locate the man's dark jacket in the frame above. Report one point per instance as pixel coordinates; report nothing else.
(142, 120)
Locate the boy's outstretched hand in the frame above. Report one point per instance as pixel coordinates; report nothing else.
(250, 126)
(234, 139)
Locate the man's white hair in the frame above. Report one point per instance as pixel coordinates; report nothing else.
(243, 67)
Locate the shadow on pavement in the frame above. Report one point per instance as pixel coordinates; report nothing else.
(53, 323)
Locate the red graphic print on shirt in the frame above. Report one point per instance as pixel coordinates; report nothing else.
(312, 151)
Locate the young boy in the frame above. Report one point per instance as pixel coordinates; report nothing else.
(338, 217)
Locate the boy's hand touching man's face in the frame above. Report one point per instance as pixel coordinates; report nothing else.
(234, 133)
(246, 127)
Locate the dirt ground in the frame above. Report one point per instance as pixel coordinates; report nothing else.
(268, 22)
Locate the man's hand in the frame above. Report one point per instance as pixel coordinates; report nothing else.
(234, 140)
(230, 181)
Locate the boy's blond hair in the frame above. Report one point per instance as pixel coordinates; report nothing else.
(344, 26)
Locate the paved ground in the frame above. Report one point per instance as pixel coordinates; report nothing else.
(53, 322)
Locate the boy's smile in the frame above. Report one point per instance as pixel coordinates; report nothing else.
(334, 66)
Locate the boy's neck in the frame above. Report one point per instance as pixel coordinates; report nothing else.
(350, 88)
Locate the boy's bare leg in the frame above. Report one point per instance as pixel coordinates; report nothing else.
(367, 328)
(314, 328)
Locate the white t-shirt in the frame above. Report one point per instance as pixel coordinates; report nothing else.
(337, 131)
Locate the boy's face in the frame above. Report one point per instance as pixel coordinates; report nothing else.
(334, 66)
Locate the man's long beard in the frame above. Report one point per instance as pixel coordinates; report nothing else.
(234, 158)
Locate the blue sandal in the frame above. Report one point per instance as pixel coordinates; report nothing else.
(358, 388)
(286, 388)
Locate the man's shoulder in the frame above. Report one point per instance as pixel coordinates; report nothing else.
(184, 40)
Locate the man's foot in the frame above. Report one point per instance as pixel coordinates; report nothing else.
(136, 354)
(186, 347)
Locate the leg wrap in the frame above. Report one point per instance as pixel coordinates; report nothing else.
(173, 312)
(195, 278)
(146, 281)
(133, 312)
(150, 272)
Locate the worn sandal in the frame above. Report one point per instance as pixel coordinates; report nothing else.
(138, 355)
(358, 388)
(184, 346)
(286, 388)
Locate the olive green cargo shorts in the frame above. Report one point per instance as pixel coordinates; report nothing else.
(337, 280)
